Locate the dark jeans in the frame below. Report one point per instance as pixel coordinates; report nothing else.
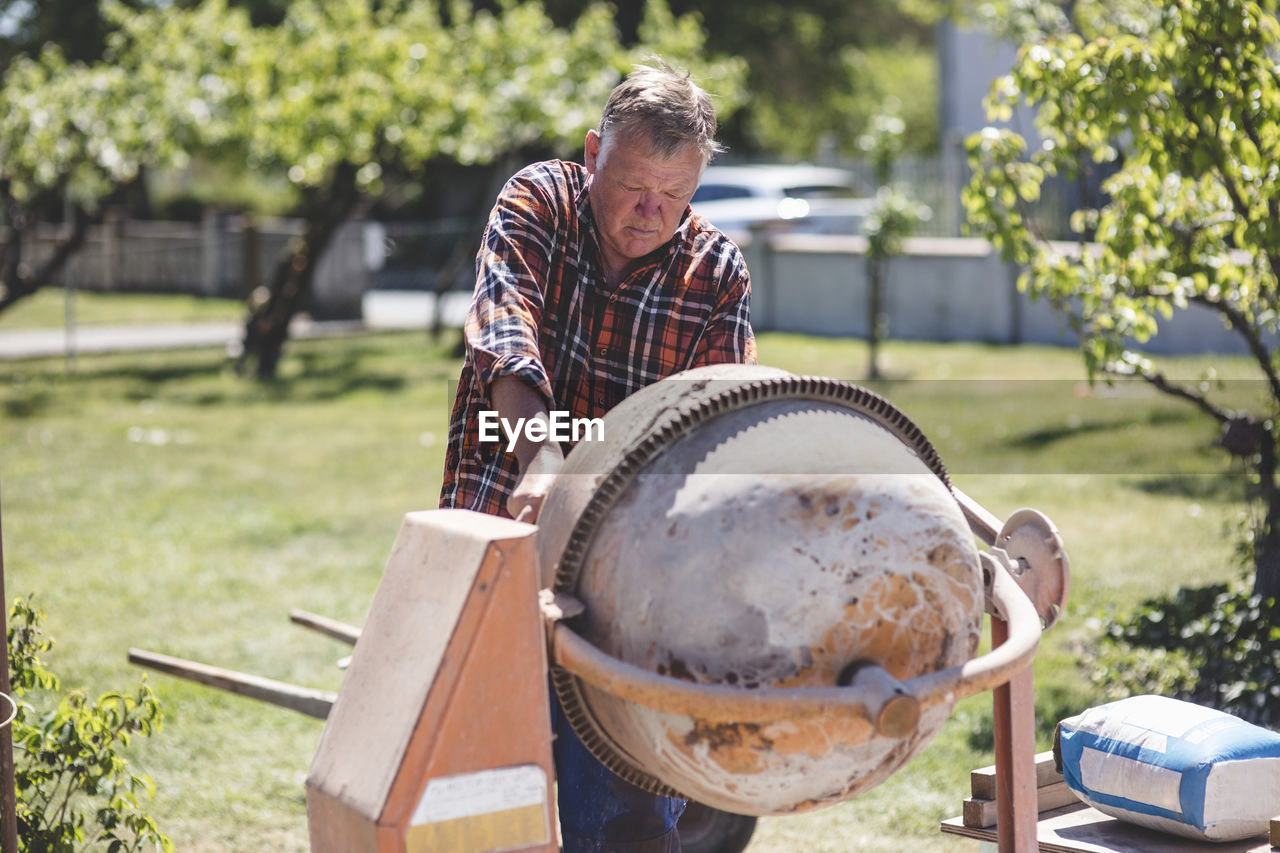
(599, 811)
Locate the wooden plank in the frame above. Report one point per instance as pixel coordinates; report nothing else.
(1081, 829)
(981, 812)
(982, 782)
(1275, 832)
(329, 627)
(313, 703)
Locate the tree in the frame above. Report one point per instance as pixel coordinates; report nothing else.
(343, 95)
(1184, 101)
(895, 216)
(83, 132)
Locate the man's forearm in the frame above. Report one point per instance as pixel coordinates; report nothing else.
(515, 401)
(539, 459)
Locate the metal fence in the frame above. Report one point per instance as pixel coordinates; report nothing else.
(938, 181)
(222, 256)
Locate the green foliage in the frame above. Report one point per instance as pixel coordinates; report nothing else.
(820, 70)
(74, 129)
(383, 87)
(1182, 103)
(1189, 113)
(896, 215)
(82, 128)
(349, 83)
(882, 141)
(75, 788)
(683, 41)
(1217, 645)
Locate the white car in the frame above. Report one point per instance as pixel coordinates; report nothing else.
(809, 199)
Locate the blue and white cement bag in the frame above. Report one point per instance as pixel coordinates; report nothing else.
(1173, 766)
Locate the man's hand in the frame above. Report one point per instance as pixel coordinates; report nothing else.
(525, 502)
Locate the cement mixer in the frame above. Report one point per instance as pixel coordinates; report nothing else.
(759, 591)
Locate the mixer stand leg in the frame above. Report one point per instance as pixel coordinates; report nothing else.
(1015, 748)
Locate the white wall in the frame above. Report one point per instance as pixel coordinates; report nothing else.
(940, 289)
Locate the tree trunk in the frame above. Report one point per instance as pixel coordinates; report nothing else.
(875, 313)
(16, 283)
(289, 291)
(1266, 552)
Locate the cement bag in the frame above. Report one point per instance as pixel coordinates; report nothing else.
(1173, 766)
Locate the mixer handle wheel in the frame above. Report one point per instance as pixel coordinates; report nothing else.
(1030, 548)
(1037, 559)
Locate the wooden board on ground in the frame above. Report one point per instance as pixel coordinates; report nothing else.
(982, 782)
(980, 812)
(1081, 829)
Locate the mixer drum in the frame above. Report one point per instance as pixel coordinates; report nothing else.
(743, 526)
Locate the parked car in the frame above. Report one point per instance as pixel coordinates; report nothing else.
(802, 198)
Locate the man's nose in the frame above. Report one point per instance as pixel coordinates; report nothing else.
(648, 205)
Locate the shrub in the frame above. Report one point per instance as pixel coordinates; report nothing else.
(75, 789)
(1216, 645)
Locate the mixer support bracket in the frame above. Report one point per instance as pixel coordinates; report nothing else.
(1014, 721)
(1029, 548)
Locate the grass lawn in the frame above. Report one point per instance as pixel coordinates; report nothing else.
(50, 308)
(158, 501)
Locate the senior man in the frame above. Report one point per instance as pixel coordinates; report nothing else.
(592, 282)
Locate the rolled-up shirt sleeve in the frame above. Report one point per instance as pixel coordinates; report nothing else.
(728, 338)
(501, 328)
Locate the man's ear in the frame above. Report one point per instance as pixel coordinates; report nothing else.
(591, 151)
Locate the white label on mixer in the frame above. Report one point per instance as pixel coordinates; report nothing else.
(470, 794)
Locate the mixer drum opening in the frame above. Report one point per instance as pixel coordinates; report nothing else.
(741, 526)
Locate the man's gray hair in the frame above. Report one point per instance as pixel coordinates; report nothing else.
(660, 103)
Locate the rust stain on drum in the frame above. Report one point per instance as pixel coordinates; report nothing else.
(816, 738)
(734, 747)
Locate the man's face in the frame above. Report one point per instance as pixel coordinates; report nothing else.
(638, 197)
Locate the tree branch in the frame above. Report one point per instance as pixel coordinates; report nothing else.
(1251, 337)
(17, 287)
(1161, 383)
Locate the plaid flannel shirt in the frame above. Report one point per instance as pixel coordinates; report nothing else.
(542, 312)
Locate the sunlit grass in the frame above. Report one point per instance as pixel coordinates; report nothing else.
(160, 501)
(54, 308)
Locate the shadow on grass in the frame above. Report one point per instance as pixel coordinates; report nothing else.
(1053, 704)
(314, 373)
(1040, 438)
(1226, 487)
(330, 375)
(27, 404)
